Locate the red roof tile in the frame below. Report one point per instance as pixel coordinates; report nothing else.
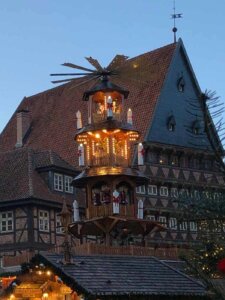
(19, 178)
(53, 112)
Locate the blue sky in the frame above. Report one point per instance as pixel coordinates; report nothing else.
(38, 35)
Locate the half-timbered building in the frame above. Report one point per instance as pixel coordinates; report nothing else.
(39, 156)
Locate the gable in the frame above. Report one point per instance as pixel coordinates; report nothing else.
(182, 106)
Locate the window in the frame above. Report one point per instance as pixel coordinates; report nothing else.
(58, 225)
(173, 223)
(174, 192)
(174, 160)
(162, 220)
(193, 226)
(171, 123)
(68, 187)
(62, 183)
(140, 189)
(6, 221)
(163, 191)
(150, 217)
(152, 157)
(58, 182)
(152, 190)
(44, 220)
(163, 159)
(181, 84)
(183, 226)
(183, 193)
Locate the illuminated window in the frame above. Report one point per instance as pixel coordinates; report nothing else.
(6, 221)
(58, 182)
(152, 190)
(68, 187)
(173, 223)
(163, 191)
(44, 220)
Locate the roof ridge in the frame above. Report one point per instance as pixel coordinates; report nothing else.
(178, 271)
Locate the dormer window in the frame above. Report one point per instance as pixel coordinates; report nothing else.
(58, 182)
(196, 127)
(171, 123)
(181, 84)
(62, 183)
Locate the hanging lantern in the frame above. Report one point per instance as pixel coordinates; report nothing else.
(140, 154)
(79, 120)
(129, 117)
(109, 107)
(81, 155)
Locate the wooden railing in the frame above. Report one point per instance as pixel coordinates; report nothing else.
(97, 118)
(107, 210)
(109, 160)
(131, 250)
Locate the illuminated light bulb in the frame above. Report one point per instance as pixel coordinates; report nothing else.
(48, 273)
(45, 296)
(104, 130)
(97, 135)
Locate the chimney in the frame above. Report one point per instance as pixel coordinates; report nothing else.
(23, 125)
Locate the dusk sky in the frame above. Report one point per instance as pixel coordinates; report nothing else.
(38, 35)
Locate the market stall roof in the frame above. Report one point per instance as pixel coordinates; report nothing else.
(113, 276)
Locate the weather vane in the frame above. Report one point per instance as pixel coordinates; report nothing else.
(174, 17)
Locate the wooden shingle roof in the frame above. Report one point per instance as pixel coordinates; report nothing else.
(124, 275)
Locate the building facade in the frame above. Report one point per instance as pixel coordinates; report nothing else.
(181, 155)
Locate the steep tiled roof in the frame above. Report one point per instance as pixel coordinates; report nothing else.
(53, 112)
(125, 275)
(19, 178)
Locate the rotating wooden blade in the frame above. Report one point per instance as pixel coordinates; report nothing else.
(70, 65)
(117, 61)
(94, 78)
(63, 80)
(94, 63)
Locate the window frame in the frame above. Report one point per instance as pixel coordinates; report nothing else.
(57, 185)
(140, 189)
(152, 187)
(43, 220)
(173, 223)
(67, 187)
(163, 220)
(7, 220)
(163, 188)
